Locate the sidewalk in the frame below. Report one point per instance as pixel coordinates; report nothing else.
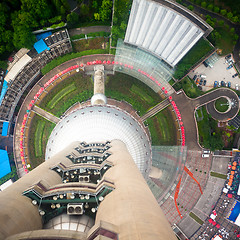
(86, 30)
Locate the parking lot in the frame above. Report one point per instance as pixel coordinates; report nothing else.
(218, 72)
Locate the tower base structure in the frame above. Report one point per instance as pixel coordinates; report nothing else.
(101, 181)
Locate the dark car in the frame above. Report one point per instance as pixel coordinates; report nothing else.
(229, 84)
(215, 84)
(228, 56)
(235, 75)
(195, 77)
(223, 84)
(201, 82)
(205, 64)
(204, 82)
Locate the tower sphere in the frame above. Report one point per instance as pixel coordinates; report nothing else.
(102, 123)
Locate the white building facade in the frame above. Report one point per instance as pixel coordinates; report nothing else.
(164, 29)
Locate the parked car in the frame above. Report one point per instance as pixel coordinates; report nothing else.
(201, 82)
(236, 86)
(223, 84)
(204, 82)
(205, 64)
(215, 84)
(228, 56)
(219, 83)
(195, 77)
(229, 67)
(235, 75)
(229, 84)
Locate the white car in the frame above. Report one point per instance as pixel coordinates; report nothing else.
(236, 86)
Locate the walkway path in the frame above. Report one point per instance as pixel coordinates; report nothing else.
(156, 109)
(86, 30)
(45, 114)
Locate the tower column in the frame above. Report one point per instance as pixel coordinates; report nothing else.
(132, 206)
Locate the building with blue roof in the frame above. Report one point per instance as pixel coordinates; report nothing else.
(5, 167)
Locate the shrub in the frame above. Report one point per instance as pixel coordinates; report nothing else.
(223, 12)
(216, 9)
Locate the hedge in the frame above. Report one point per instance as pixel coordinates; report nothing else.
(57, 61)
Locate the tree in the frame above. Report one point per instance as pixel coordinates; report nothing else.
(190, 7)
(97, 16)
(203, 4)
(84, 10)
(232, 30)
(23, 37)
(106, 10)
(39, 9)
(235, 36)
(223, 12)
(216, 9)
(229, 15)
(227, 26)
(220, 23)
(210, 7)
(235, 19)
(72, 18)
(210, 22)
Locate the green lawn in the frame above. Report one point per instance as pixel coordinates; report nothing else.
(38, 138)
(39, 133)
(221, 104)
(225, 42)
(77, 88)
(61, 94)
(163, 128)
(197, 52)
(210, 136)
(190, 88)
(124, 87)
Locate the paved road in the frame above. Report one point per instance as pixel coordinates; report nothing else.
(86, 30)
(188, 106)
(209, 100)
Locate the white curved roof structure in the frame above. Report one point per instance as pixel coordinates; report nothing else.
(102, 123)
(164, 29)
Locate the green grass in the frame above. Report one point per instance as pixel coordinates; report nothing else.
(190, 88)
(197, 52)
(124, 87)
(221, 104)
(226, 42)
(83, 91)
(218, 175)
(38, 138)
(39, 133)
(57, 61)
(210, 136)
(61, 94)
(196, 218)
(163, 129)
(142, 94)
(78, 36)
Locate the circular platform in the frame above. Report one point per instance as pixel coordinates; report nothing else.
(102, 123)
